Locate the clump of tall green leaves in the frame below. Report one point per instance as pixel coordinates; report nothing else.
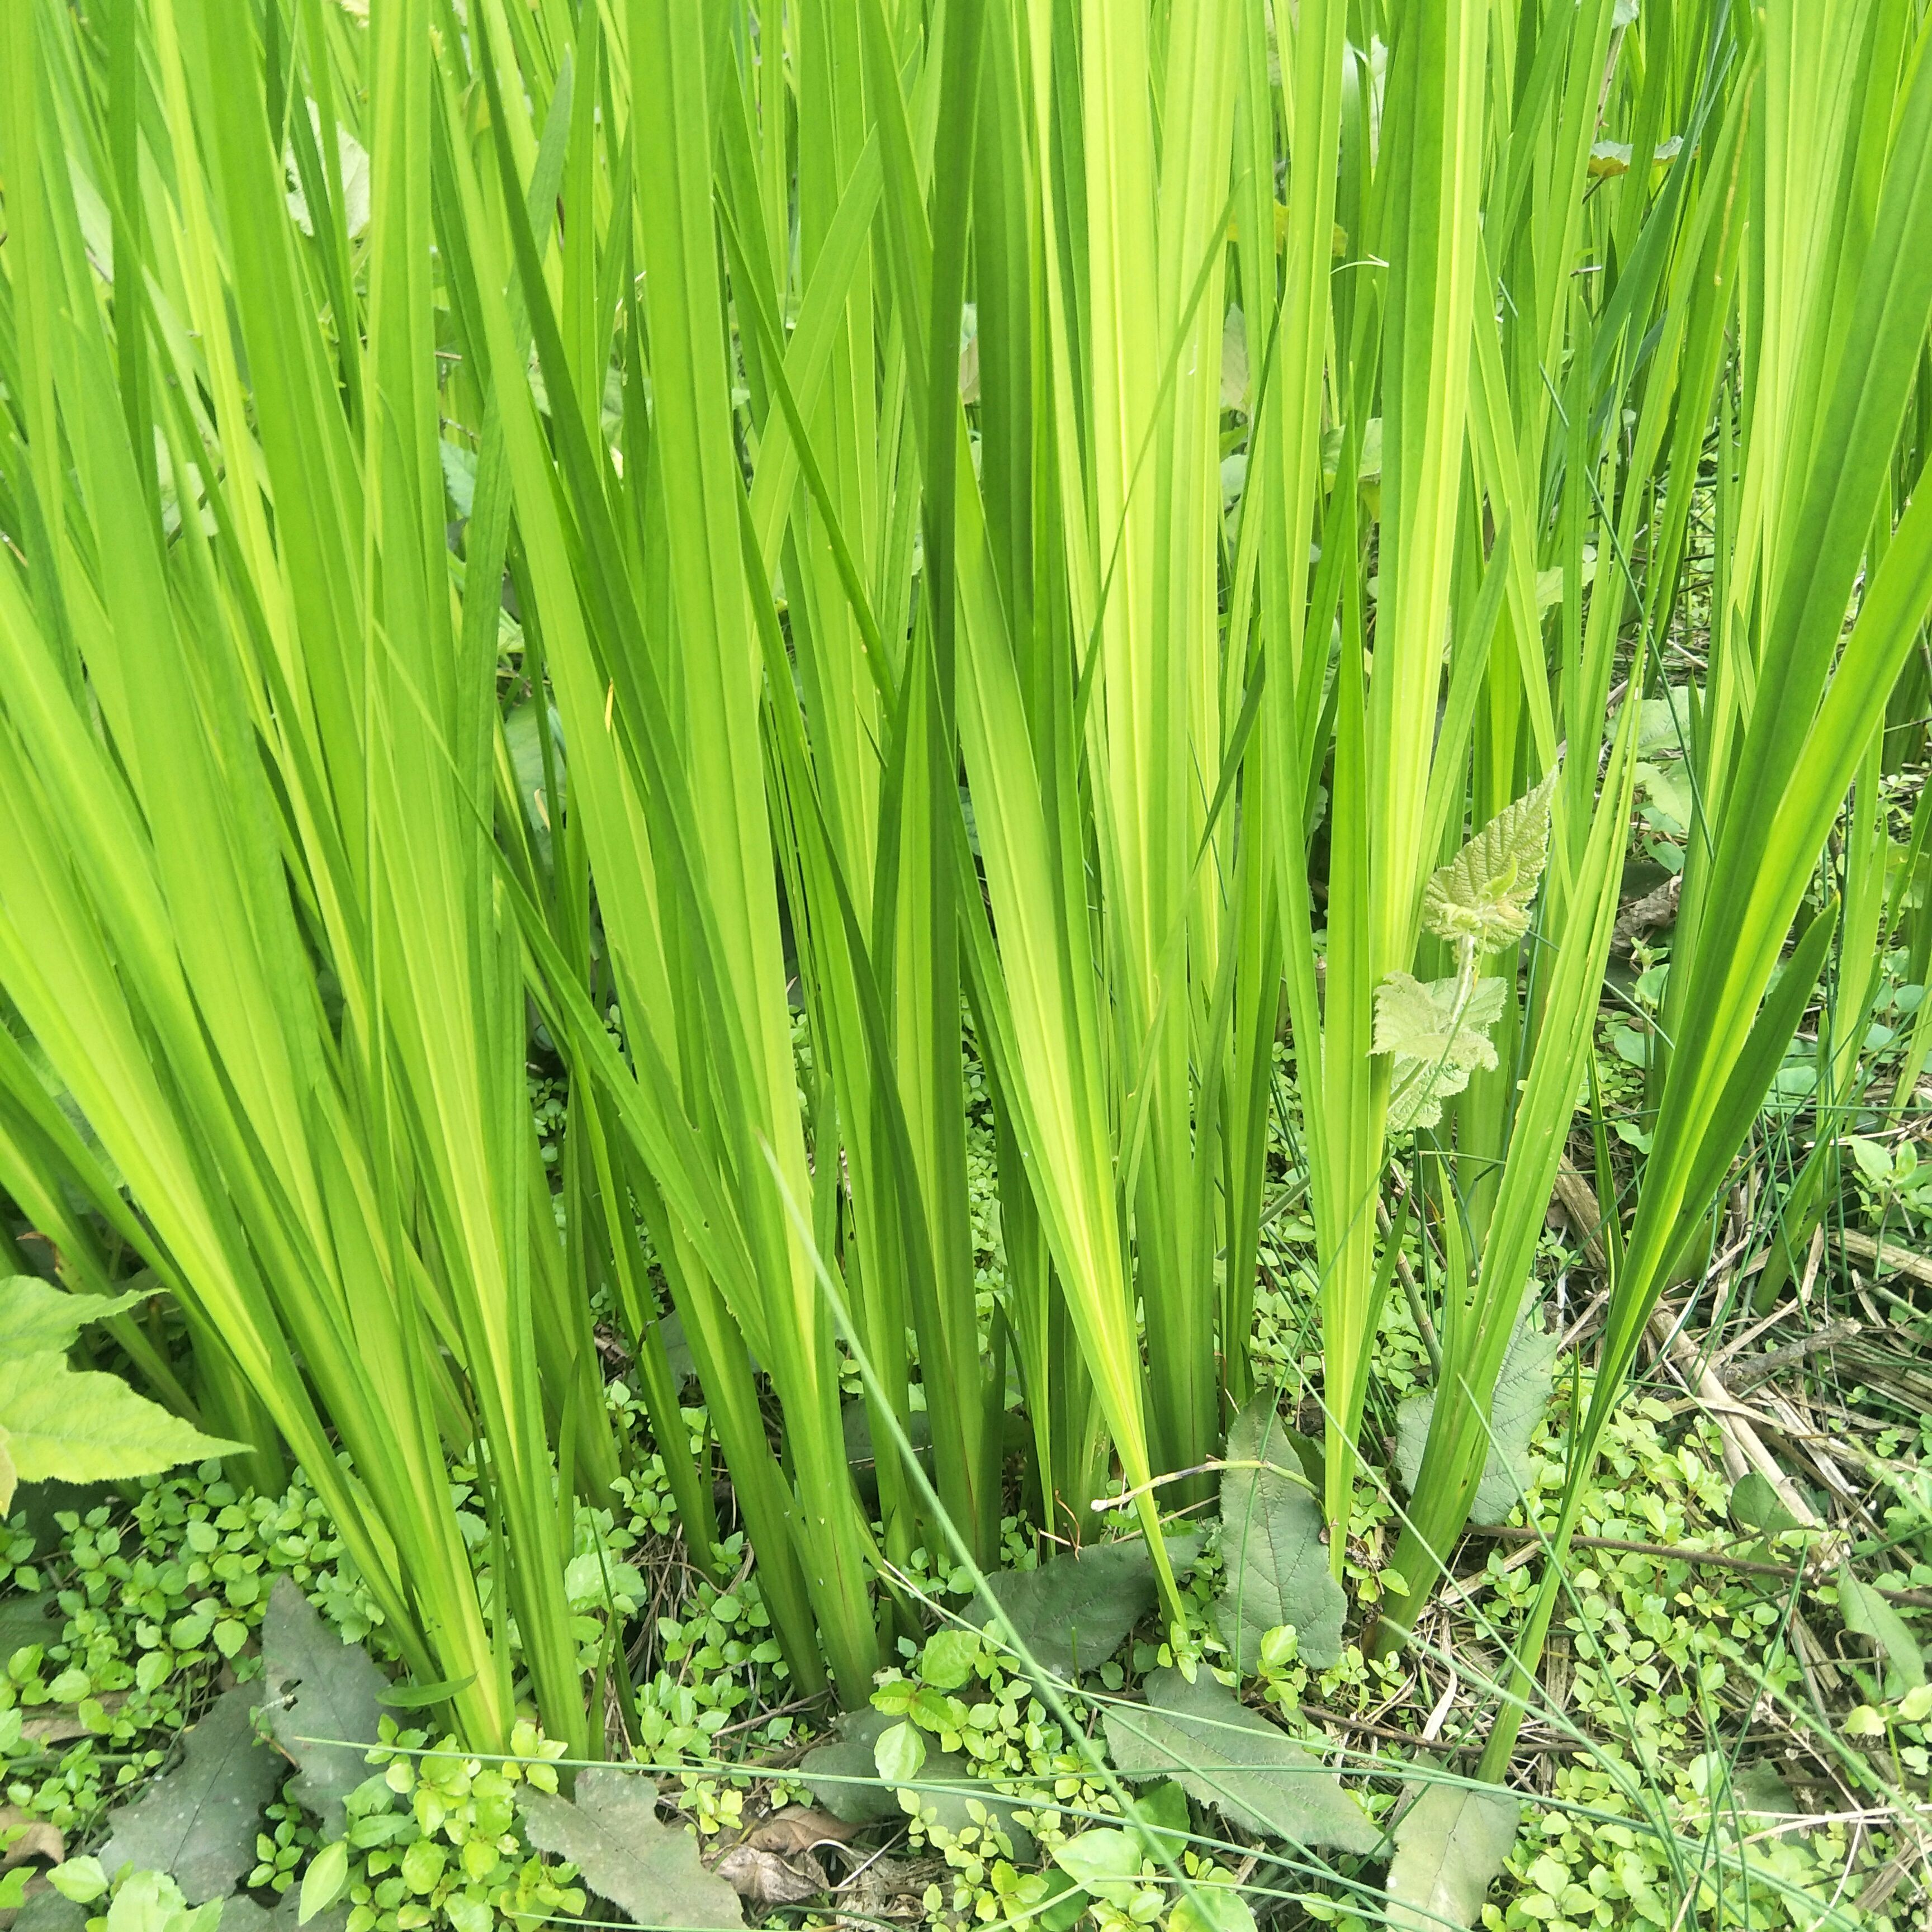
(373, 387)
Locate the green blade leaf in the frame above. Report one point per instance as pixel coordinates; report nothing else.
(198, 1823)
(611, 1834)
(1223, 1754)
(1277, 1565)
(1451, 1843)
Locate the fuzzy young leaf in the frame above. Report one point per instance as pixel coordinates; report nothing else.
(611, 1834)
(81, 1427)
(1480, 899)
(1277, 1565)
(1073, 1612)
(318, 1687)
(1451, 1843)
(1522, 1394)
(1223, 1753)
(198, 1823)
(1436, 1042)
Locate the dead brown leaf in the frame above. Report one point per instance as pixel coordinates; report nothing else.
(763, 1879)
(798, 1827)
(57, 1725)
(37, 1839)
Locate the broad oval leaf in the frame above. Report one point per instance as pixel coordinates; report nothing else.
(1522, 1394)
(1868, 1613)
(1450, 1843)
(1223, 1753)
(843, 1776)
(1276, 1564)
(1073, 1612)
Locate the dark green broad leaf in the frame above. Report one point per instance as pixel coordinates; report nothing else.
(1450, 1845)
(1276, 1563)
(319, 1689)
(611, 1834)
(24, 1620)
(198, 1822)
(1073, 1612)
(1757, 1505)
(1522, 1394)
(49, 1912)
(1225, 1755)
(1759, 1791)
(843, 1776)
(1867, 1612)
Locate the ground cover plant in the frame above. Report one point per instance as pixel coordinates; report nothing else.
(917, 877)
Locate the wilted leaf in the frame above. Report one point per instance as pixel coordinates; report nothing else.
(80, 1425)
(1481, 898)
(1438, 1033)
(798, 1827)
(1276, 1564)
(611, 1834)
(37, 1319)
(1225, 1755)
(318, 1687)
(1073, 1612)
(1521, 1395)
(1451, 1842)
(198, 1822)
(22, 1837)
(1868, 1613)
(765, 1879)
